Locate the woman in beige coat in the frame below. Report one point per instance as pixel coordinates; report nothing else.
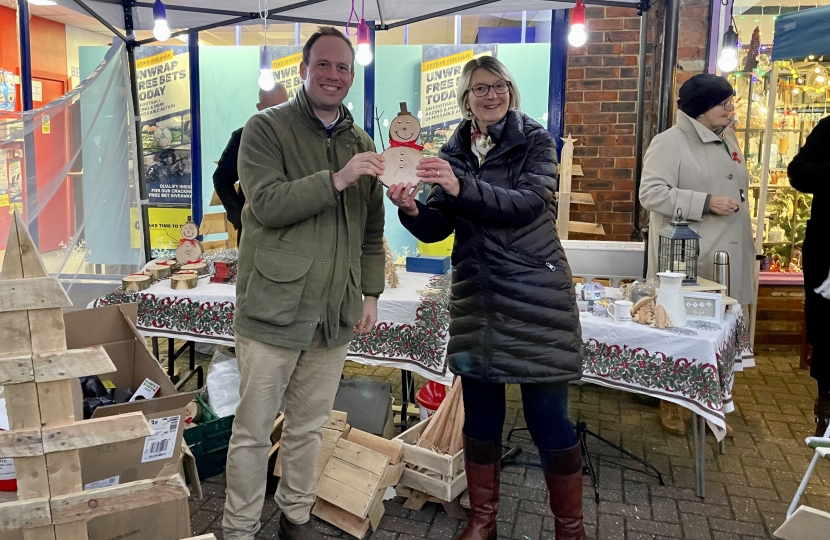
(697, 168)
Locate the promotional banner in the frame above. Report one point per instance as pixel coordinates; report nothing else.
(162, 76)
(8, 94)
(441, 68)
(285, 61)
(440, 72)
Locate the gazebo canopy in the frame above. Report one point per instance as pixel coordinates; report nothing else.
(802, 33)
(184, 14)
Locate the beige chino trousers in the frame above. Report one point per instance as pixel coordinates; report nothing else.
(308, 381)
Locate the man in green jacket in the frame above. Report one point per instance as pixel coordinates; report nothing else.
(311, 268)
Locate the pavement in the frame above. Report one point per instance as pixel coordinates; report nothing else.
(748, 488)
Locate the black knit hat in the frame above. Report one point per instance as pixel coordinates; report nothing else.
(702, 92)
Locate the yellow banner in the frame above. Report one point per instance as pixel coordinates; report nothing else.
(438, 63)
(287, 72)
(165, 226)
(153, 60)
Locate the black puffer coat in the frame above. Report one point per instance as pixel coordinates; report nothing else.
(513, 314)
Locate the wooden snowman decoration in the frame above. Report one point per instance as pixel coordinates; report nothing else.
(404, 152)
(189, 249)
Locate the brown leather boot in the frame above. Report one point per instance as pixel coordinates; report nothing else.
(482, 460)
(822, 412)
(563, 476)
(671, 418)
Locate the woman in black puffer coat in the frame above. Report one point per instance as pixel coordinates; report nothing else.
(513, 314)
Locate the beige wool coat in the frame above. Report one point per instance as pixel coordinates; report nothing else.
(682, 166)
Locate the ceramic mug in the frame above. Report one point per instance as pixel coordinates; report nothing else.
(620, 311)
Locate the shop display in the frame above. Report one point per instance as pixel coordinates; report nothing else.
(801, 101)
(404, 152)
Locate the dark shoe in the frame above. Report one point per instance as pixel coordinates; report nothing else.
(292, 531)
(822, 412)
(563, 476)
(482, 460)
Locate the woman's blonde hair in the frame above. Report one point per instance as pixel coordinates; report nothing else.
(495, 67)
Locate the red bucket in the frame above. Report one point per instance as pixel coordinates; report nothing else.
(429, 398)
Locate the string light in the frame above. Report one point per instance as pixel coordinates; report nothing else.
(160, 29)
(576, 35)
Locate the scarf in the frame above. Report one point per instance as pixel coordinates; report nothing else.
(480, 144)
(410, 144)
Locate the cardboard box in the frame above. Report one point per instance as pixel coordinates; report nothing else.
(113, 327)
(428, 265)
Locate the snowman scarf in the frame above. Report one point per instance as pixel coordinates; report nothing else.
(480, 144)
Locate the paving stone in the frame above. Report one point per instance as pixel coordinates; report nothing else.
(664, 510)
(738, 527)
(405, 526)
(653, 527)
(611, 527)
(528, 525)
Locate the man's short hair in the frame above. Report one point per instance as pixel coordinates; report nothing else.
(325, 31)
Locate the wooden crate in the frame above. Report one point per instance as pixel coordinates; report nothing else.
(439, 475)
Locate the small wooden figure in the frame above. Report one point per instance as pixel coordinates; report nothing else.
(159, 271)
(184, 280)
(199, 268)
(135, 282)
(404, 152)
(189, 250)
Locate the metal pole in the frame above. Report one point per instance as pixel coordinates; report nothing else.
(296, 33)
(195, 129)
(238, 35)
(558, 71)
(665, 102)
(142, 179)
(369, 86)
(406, 34)
(637, 234)
(524, 26)
(458, 29)
(27, 104)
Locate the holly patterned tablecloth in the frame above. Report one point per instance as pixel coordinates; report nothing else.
(412, 329)
(692, 366)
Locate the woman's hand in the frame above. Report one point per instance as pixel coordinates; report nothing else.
(722, 206)
(403, 196)
(435, 170)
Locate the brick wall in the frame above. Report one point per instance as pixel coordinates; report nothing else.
(600, 112)
(601, 103)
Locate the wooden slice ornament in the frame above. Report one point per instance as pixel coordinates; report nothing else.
(184, 281)
(159, 271)
(404, 152)
(199, 268)
(189, 250)
(135, 282)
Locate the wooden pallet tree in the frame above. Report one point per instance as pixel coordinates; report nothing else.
(44, 437)
(567, 170)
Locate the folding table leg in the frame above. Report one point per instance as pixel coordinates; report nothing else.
(699, 430)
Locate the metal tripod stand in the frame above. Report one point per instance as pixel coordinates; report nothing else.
(582, 433)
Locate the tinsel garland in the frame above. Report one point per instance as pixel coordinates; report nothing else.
(224, 255)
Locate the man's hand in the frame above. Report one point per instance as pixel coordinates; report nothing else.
(367, 163)
(369, 317)
(723, 206)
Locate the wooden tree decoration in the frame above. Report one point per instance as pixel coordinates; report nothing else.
(44, 437)
(390, 271)
(567, 170)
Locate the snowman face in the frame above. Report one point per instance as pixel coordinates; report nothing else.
(189, 231)
(405, 128)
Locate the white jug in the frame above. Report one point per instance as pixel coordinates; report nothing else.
(670, 296)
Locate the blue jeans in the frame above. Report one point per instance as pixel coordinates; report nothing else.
(545, 411)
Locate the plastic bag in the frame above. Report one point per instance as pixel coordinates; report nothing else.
(223, 383)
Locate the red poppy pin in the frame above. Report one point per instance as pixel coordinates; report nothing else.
(735, 157)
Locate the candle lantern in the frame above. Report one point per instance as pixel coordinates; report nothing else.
(679, 249)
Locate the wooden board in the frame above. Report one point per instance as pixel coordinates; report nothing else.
(392, 475)
(705, 285)
(337, 421)
(29, 513)
(16, 368)
(805, 524)
(443, 464)
(445, 491)
(416, 500)
(343, 496)
(349, 523)
(582, 198)
(89, 504)
(586, 228)
(391, 449)
(17, 443)
(32, 294)
(364, 458)
(96, 432)
(71, 364)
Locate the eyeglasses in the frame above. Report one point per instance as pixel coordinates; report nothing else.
(728, 104)
(481, 90)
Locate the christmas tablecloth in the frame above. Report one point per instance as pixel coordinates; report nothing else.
(693, 366)
(411, 332)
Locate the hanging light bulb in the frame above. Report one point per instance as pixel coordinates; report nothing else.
(160, 31)
(796, 91)
(364, 44)
(576, 35)
(728, 60)
(820, 79)
(266, 73)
